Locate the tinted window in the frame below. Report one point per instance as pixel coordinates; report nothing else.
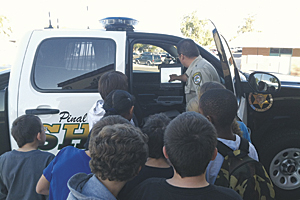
(274, 50)
(147, 50)
(279, 51)
(73, 63)
(286, 51)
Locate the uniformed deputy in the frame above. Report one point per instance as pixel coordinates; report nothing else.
(198, 70)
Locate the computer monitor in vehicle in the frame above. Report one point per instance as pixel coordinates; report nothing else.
(166, 71)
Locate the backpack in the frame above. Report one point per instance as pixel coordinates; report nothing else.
(243, 174)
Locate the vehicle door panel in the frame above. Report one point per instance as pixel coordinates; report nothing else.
(75, 79)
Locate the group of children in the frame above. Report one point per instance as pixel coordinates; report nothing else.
(166, 159)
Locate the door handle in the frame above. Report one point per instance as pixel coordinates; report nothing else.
(43, 111)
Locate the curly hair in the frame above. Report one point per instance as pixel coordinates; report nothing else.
(118, 152)
(190, 140)
(154, 128)
(220, 104)
(216, 85)
(109, 120)
(25, 128)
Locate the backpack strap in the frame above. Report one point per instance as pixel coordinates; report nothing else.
(244, 147)
(224, 150)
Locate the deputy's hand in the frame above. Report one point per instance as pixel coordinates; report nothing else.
(173, 77)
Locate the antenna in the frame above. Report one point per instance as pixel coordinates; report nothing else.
(87, 10)
(50, 26)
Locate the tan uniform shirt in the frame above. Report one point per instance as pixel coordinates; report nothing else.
(200, 71)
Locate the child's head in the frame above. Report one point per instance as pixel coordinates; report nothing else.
(119, 102)
(220, 106)
(26, 128)
(155, 127)
(110, 81)
(190, 143)
(118, 152)
(109, 120)
(208, 86)
(193, 104)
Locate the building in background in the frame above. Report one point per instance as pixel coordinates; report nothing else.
(269, 52)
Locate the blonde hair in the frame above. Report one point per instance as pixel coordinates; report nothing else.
(193, 105)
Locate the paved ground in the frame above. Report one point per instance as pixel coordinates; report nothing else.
(238, 59)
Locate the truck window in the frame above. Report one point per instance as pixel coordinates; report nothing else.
(72, 63)
(147, 57)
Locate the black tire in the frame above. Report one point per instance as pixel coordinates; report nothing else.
(137, 61)
(281, 158)
(148, 63)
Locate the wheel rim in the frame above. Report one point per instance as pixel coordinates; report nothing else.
(285, 169)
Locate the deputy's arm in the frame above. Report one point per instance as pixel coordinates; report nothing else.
(174, 77)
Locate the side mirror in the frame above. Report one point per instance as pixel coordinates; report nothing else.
(264, 83)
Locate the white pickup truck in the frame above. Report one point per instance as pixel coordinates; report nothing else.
(56, 73)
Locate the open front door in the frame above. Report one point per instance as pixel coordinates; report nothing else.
(230, 71)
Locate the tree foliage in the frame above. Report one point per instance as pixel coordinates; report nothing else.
(4, 28)
(196, 29)
(145, 48)
(248, 25)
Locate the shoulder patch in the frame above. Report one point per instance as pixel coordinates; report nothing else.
(197, 78)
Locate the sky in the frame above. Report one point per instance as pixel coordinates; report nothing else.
(274, 17)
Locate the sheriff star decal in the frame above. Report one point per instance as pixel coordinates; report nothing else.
(260, 102)
(197, 78)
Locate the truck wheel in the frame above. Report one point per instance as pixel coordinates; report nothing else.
(281, 158)
(148, 63)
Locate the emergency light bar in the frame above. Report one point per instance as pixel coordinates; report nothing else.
(118, 23)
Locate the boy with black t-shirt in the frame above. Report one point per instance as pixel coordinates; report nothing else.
(190, 143)
(156, 165)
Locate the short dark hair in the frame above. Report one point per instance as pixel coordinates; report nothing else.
(221, 104)
(118, 102)
(188, 48)
(118, 152)
(190, 140)
(112, 80)
(209, 86)
(155, 127)
(25, 128)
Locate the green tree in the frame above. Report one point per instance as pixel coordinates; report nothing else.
(144, 47)
(248, 24)
(196, 29)
(4, 28)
